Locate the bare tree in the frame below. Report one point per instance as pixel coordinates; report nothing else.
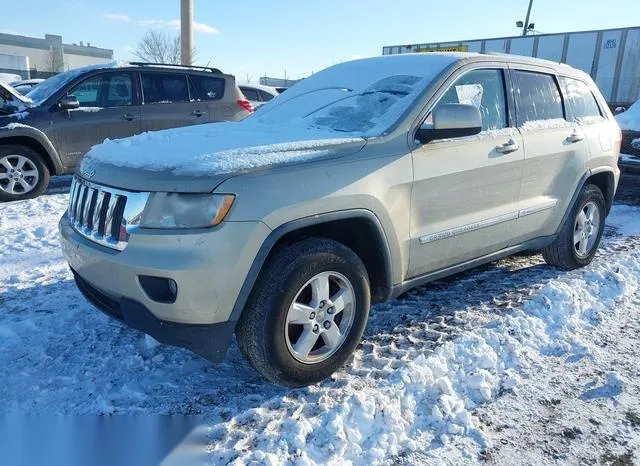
(158, 47)
(55, 61)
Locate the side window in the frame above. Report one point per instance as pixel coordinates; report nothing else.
(485, 90)
(87, 92)
(250, 94)
(119, 90)
(537, 97)
(579, 99)
(207, 88)
(105, 90)
(265, 96)
(164, 88)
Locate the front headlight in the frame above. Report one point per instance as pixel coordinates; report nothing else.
(173, 210)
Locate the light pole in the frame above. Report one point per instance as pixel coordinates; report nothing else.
(186, 32)
(526, 27)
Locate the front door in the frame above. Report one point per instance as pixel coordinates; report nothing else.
(109, 108)
(465, 195)
(167, 102)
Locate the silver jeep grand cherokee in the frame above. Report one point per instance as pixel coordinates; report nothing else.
(362, 181)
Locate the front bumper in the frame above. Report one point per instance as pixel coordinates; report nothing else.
(209, 268)
(207, 340)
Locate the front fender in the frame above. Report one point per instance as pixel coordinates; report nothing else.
(19, 132)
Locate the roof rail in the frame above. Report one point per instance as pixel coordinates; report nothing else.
(172, 65)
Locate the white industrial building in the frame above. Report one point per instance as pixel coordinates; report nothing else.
(610, 56)
(49, 55)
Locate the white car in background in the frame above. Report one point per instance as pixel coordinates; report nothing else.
(258, 94)
(9, 77)
(24, 86)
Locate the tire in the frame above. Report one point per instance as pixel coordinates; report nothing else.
(269, 340)
(565, 252)
(18, 186)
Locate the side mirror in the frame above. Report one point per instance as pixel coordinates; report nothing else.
(451, 121)
(68, 102)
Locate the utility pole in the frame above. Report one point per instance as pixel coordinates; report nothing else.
(186, 32)
(525, 29)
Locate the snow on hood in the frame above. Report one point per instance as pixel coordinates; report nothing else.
(630, 120)
(216, 148)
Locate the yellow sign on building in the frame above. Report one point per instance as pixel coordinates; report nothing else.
(457, 48)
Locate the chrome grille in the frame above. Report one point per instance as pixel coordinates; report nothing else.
(104, 215)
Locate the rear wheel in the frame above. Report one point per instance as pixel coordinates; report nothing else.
(577, 242)
(306, 313)
(23, 173)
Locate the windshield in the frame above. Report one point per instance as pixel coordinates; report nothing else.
(364, 98)
(50, 86)
(367, 113)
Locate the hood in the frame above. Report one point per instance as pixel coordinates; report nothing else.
(199, 158)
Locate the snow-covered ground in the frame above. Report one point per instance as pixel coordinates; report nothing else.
(513, 363)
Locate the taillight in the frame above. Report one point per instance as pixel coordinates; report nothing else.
(245, 104)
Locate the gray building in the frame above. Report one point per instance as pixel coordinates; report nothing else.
(51, 55)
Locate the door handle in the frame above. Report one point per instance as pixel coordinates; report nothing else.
(510, 146)
(197, 113)
(129, 117)
(576, 136)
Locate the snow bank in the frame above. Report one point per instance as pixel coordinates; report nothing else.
(630, 120)
(430, 399)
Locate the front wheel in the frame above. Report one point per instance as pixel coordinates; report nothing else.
(307, 312)
(577, 242)
(23, 173)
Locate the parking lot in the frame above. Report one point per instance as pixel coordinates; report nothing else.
(411, 258)
(555, 352)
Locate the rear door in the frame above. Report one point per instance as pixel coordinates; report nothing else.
(109, 108)
(210, 91)
(556, 152)
(582, 108)
(167, 102)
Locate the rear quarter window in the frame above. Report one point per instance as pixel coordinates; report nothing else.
(250, 94)
(207, 87)
(265, 96)
(580, 102)
(537, 97)
(164, 88)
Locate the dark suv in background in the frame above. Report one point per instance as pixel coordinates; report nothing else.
(49, 131)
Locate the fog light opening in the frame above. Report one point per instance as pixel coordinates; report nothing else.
(159, 289)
